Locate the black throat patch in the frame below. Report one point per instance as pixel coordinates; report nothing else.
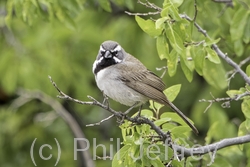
(103, 64)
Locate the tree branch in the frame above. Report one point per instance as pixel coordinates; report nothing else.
(212, 147)
(67, 117)
(163, 136)
(226, 100)
(220, 53)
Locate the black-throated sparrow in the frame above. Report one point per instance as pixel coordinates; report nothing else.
(125, 79)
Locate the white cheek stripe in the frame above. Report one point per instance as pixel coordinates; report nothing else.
(95, 64)
(117, 60)
(94, 67)
(100, 60)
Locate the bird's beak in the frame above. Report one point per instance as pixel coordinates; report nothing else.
(107, 54)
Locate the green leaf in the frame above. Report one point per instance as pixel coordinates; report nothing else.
(238, 47)
(167, 127)
(214, 74)
(156, 161)
(212, 55)
(243, 129)
(8, 18)
(161, 121)
(238, 24)
(183, 29)
(209, 42)
(147, 113)
(246, 35)
(105, 4)
(247, 124)
(245, 106)
(177, 3)
(18, 7)
(180, 130)
(165, 10)
(174, 117)
(232, 93)
(198, 56)
(120, 155)
(130, 4)
(172, 92)
(174, 39)
(155, 106)
(160, 23)
(162, 47)
(188, 73)
(248, 70)
(26, 11)
(148, 26)
(172, 63)
(173, 12)
(186, 56)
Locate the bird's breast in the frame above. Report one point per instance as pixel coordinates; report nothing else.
(108, 82)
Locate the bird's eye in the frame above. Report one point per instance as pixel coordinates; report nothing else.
(115, 53)
(102, 52)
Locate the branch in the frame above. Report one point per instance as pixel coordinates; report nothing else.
(229, 3)
(226, 100)
(119, 115)
(147, 4)
(142, 14)
(163, 136)
(212, 147)
(220, 53)
(233, 72)
(27, 95)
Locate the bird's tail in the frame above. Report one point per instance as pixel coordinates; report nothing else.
(172, 106)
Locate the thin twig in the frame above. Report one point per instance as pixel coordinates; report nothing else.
(195, 11)
(142, 14)
(226, 100)
(164, 68)
(147, 5)
(235, 97)
(103, 120)
(150, 5)
(234, 72)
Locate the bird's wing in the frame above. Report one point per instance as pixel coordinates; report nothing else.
(144, 82)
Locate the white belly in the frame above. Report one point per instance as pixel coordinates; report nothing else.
(116, 90)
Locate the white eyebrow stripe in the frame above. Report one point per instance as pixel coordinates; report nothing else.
(117, 49)
(101, 49)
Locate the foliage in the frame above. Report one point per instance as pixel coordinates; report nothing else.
(61, 39)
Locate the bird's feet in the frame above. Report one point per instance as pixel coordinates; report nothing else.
(105, 100)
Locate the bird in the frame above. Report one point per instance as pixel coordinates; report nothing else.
(125, 79)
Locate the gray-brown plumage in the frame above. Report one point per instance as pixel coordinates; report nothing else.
(125, 79)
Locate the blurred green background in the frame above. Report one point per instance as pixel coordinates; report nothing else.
(64, 45)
